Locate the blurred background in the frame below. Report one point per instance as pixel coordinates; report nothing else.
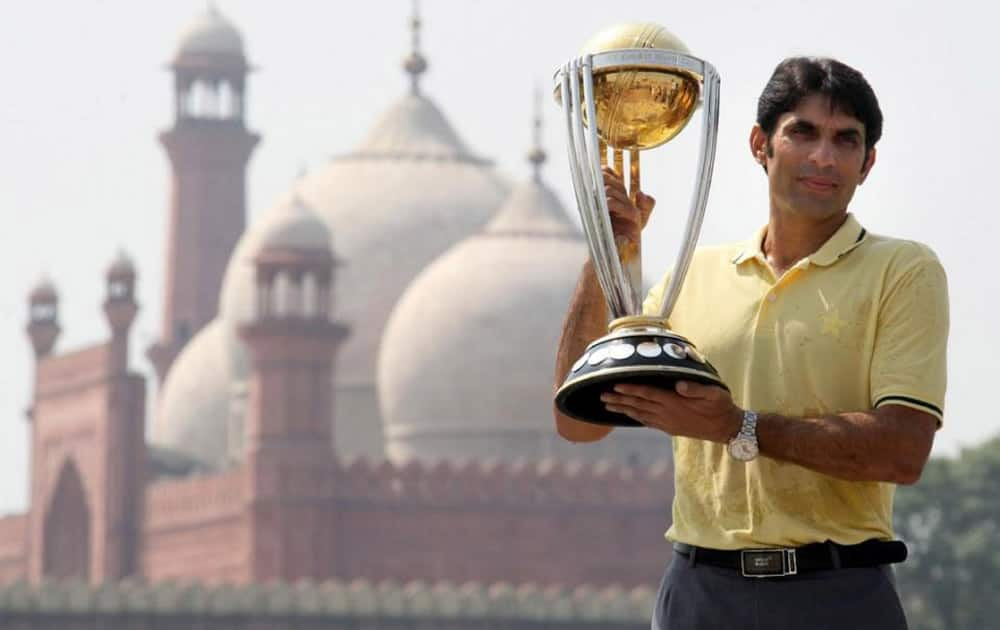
(90, 87)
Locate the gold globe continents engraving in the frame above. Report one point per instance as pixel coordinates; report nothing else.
(640, 108)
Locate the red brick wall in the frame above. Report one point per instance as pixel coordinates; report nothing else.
(196, 529)
(544, 524)
(13, 548)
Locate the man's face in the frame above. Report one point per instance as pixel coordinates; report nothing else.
(815, 159)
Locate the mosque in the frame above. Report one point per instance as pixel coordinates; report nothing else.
(355, 389)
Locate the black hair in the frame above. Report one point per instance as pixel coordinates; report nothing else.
(798, 77)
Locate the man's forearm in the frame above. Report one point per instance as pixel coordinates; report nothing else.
(586, 320)
(890, 444)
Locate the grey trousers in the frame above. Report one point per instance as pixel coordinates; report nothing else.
(696, 596)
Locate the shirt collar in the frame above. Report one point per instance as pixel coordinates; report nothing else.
(848, 236)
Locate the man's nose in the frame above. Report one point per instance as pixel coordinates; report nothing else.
(823, 155)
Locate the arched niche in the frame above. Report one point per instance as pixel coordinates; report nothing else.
(67, 527)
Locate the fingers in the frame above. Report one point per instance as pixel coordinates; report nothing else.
(690, 389)
(637, 412)
(626, 218)
(646, 204)
(637, 415)
(631, 217)
(611, 176)
(653, 395)
(629, 402)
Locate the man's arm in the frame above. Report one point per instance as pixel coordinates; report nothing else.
(586, 320)
(890, 443)
(587, 317)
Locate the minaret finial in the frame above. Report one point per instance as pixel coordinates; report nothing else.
(300, 176)
(536, 155)
(415, 64)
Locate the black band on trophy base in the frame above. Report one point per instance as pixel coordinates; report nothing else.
(643, 356)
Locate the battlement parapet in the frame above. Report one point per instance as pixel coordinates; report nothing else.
(358, 599)
(522, 483)
(192, 500)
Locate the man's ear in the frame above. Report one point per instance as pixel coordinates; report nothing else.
(867, 167)
(758, 145)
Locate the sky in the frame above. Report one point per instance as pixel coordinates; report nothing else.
(87, 91)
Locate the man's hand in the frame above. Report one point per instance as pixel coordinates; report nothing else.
(890, 443)
(704, 412)
(627, 219)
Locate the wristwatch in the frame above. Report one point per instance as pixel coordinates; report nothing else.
(744, 447)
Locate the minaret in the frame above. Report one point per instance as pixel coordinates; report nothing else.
(536, 155)
(290, 461)
(122, 471)
(120, 307)
(208, 147)
(43, 317)
(415, 64)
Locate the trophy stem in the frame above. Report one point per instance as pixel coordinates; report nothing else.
(620, 163)
(630, 253)
(633, 170)
(602, 148)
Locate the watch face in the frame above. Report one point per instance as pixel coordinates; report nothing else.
(743, 449)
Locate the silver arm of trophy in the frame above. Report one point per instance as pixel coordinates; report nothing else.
(629, 281)
(588, 185)
(699, 198)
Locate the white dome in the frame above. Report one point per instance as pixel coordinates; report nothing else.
(293, 226)
(195, 401)
(466, 361)
(409, 192)
(210, 34)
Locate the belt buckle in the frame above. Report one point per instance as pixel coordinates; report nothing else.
(765, 563)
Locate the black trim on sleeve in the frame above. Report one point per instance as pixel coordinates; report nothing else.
(913, 401)
(862, 235)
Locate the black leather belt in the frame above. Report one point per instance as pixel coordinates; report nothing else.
(790, 561)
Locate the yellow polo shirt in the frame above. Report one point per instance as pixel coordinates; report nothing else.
(860, 323)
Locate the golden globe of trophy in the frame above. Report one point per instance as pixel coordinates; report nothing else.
(641, 86)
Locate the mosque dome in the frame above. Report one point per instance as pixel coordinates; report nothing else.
(195, 401)
(293, 226)
(210, 34)
(466, 360)
(407, 193)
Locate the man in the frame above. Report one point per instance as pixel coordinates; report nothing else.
(832, 341)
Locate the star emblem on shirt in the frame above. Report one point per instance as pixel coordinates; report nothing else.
(832, 323)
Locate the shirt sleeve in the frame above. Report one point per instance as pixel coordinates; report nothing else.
(908, 361)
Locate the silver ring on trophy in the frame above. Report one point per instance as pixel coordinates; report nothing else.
(641, 86)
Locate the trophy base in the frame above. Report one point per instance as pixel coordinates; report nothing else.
(638, 350)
